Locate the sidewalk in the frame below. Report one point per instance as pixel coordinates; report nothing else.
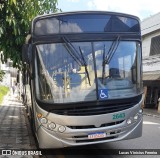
(15, 132)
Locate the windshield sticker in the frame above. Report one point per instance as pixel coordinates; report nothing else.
(103, 94)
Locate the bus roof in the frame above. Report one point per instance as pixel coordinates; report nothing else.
(86, 12)
(84, 22)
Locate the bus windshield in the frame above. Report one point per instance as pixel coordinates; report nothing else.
(69, 72)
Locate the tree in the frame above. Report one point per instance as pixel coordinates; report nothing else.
(15, 22)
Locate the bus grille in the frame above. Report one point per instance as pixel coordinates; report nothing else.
(92, 126)
(93, 110)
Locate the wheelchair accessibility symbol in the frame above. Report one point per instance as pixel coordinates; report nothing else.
(103, 93)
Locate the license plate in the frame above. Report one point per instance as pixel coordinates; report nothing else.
(96, 135)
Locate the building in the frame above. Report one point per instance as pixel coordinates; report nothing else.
(10, 73)
(151, 59)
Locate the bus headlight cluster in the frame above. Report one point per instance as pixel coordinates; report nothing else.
(50, 125)
(135, 117)
(138, 114)
(46, 123)
(131, 120)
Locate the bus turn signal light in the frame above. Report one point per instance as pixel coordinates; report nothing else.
(39, 115)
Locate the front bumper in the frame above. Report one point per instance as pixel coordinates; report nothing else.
(115, 131)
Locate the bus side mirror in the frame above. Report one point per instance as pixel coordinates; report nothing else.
(25, 53)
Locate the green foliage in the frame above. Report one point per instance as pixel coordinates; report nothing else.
(15, 22)
(2, 73)
(3, 91)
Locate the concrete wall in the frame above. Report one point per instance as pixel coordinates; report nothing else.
(150, 24)
(150, 27)
(146, 42)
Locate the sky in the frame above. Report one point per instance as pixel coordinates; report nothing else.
(140, 8)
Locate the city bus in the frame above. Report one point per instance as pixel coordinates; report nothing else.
(83, 78)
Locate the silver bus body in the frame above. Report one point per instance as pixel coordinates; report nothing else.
(77, 101)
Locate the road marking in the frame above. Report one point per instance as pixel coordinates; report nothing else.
(150, 123)
(16, 117)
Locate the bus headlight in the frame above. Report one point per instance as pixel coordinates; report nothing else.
(52, 126)
(43, 120)
(136, 117)
(140, 111)
(129, 121)
(61, 129)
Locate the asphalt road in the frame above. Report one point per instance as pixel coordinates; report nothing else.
(150, 140)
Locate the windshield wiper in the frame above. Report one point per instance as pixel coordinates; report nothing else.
(76, 56)
(103, 64)
(85, 65)
(111, 51)
(108, 57)
(72, 51)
